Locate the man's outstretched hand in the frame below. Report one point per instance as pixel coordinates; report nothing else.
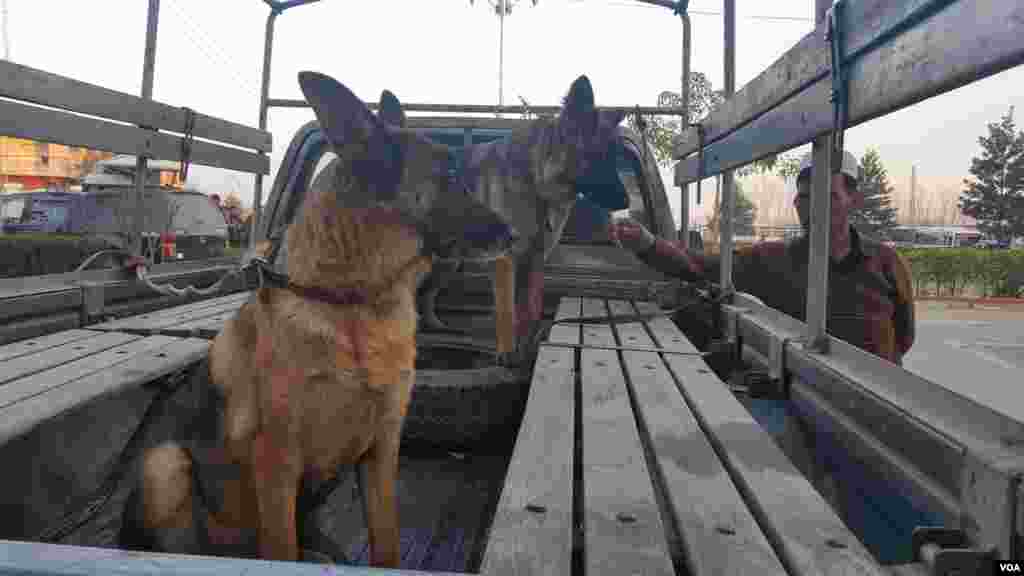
(631, 235)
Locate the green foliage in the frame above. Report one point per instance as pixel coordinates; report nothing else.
(995, 197)
(877, 214)
(746, 213)
(950, 271)
(662, 131)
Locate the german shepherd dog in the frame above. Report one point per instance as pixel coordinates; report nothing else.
(316, 373)
(530, 178)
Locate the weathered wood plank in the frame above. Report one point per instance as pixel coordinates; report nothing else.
(58, 560)
(963, 43)
(33, 345)
(623, 530)
(23, 328)
(805, 532)
(719, 533)
(566, 333)
(207, 327)
(532, 529)
(33, 384)
(20, 304)
(170, 317)
(32, 85)
(45, 125)
(46, 359)
(122, 323)
(29, 401)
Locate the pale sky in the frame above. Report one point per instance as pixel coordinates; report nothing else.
(209, 55)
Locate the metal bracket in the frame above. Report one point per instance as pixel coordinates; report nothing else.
(944, 552)
(92, 301)
(989, 501)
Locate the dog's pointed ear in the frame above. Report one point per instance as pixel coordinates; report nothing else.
(613, 118)
(390, 109)
(578, 112)
(346, 120)
(342, 115)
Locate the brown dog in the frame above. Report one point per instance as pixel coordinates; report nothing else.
(317, 373)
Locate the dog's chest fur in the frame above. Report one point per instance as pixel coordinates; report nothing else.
(348, 377)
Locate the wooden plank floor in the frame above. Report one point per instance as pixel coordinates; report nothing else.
(718, 531)
(532, 529)
(169, 319)
(33, 345)
(623, 528)
(806, 533)
(671, 473)
(22, 365)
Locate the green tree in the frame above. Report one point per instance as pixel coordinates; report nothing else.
(877, 214)
(746, 213)
(704, 99)
(995, 197)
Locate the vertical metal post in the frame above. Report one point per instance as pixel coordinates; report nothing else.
(257, 194)
(821, 227)
(501, 54)
(684, 121)
(728, 188)
(141, 172)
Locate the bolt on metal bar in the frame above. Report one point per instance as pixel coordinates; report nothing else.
(728, 204)
(141, 172)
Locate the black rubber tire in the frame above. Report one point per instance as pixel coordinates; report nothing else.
(465, 410)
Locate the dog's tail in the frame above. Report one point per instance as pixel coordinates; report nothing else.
(160, 513)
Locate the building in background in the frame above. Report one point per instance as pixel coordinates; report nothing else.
(29, 165)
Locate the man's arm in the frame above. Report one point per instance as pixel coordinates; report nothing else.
(660, 254)
(671, 260)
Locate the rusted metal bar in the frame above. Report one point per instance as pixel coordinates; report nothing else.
(486, 108)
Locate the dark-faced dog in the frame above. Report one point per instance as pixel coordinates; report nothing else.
(316, 373)
(530, 178)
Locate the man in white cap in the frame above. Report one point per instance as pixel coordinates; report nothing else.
(870, 292)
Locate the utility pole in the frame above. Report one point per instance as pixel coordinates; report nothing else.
(7, 38)
(7, 56)
(502, 8)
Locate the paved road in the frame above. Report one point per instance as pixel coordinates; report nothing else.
(976, 353)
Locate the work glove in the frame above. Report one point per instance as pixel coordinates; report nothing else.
(631, 235)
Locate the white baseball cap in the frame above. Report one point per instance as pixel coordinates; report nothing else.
(850, 166)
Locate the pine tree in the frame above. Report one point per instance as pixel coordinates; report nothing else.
(995, 198)
(877, 214)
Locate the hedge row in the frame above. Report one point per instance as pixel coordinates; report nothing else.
(966, 271)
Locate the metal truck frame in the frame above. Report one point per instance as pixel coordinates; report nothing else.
(935, 447)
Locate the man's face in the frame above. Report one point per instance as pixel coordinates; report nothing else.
(845, 199)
